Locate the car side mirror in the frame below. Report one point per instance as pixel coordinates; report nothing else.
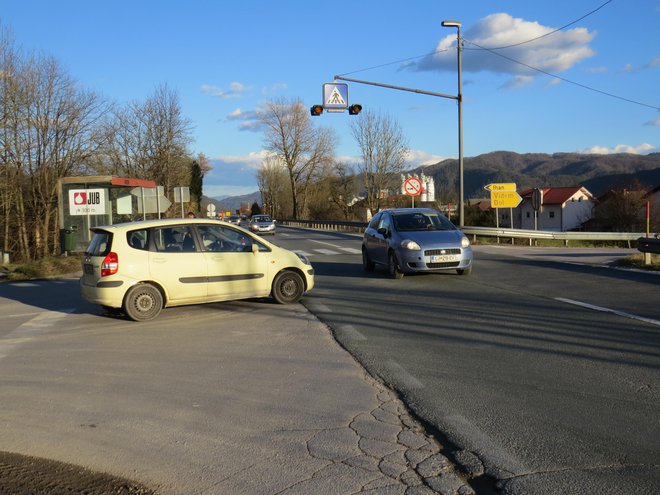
(383, 231)
(255, 248)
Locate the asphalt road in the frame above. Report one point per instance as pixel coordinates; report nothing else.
(541, 368)
(538, 374)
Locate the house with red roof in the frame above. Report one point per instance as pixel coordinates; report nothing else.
(562, 209)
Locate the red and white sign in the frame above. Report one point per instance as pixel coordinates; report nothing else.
(87, 202)
(413, 186)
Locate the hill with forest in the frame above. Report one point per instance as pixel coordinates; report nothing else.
(598, 173)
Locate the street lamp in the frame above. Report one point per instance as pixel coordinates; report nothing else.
(461, 206)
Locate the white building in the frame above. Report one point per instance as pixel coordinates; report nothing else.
(563, 208)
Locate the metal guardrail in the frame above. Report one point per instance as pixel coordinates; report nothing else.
(475, 232)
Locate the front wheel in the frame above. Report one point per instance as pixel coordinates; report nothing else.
(143, 302)
(393, 266)
(288, 287)
(464, 271)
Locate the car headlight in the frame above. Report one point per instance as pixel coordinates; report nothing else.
(304, 259)
(412, 245)
(465, 242)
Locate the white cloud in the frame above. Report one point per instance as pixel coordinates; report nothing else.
(653, 123)
(248, 121)
(235, 90)
(274, 89)
(554, 53)
(518, 82)
(620, 148)
(252, 160)
(418, 158)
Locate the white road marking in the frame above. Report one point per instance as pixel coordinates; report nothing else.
(329, 252)
(478, 440)
(348, 250)
(402, 375)
(320, 307)
(351, 332)
(326, 243)
(26, 332)
(608, 310)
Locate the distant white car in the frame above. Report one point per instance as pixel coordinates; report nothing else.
(141, 267)
(262, 224)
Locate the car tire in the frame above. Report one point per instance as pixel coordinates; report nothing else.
(393, 266)
(288, 287)
(143, 302)
(464, 271)
(367, 264)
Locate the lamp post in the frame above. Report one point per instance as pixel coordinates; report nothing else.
(461, 205)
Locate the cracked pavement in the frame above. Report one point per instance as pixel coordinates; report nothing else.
(249, 398)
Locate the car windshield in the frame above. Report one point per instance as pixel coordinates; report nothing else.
(407, 222)
(262, 219)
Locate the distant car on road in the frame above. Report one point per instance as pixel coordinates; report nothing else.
(141, 267)
(413, 240)
(262, 224)
(235, 219)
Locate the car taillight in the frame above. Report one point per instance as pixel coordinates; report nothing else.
(110, 265)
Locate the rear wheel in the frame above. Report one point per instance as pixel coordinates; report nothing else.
(143, 302)
(393, 266)
(367, 264)
(288, 287)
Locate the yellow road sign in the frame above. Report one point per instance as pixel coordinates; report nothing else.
(503, 186)
(504, 199)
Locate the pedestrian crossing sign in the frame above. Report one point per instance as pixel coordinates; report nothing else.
(335, 97)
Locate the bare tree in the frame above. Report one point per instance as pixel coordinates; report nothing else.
(272, 180)
(383, 148)
(49, 130)
(150, 140)
(343, 187)
(303, 148)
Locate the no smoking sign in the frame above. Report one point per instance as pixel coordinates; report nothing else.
(413, 186)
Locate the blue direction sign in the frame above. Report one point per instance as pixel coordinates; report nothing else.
(335, 97)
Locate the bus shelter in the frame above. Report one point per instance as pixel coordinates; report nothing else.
(86, 202)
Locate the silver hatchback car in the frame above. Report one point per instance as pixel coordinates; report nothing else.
(413, 240)
(262, 224)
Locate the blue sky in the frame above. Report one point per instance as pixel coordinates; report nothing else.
(224, 59)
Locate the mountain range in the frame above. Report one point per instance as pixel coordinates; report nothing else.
(598, 173)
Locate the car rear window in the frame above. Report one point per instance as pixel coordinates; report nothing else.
(100, 244)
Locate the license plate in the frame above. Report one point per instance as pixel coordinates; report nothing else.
(444, 258)
(88, 269)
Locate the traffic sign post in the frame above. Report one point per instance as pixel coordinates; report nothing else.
(335, 97)
(503, 195)
(413, 187)
(504, 199)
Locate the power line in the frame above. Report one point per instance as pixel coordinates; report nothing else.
(393, 63)
(495, 48)
(551, 32)
(491, 50)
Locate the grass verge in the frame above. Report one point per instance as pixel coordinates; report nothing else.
(43, 268)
